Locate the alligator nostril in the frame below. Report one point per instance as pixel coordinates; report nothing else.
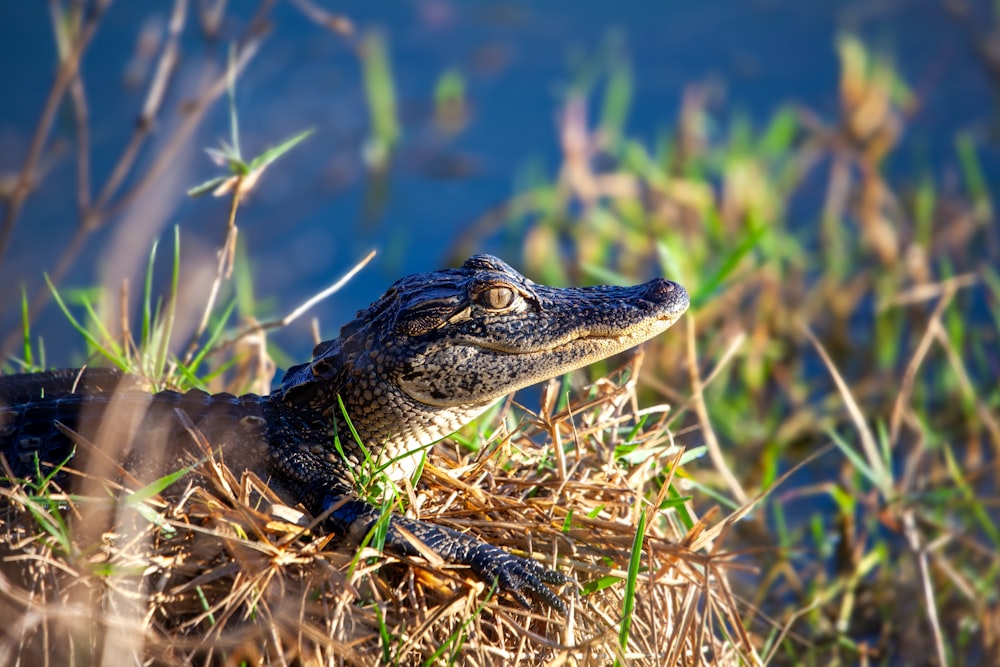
(662, 286)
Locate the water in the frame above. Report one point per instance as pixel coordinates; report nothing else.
(318, 210)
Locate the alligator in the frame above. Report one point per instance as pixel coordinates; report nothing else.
(436, 350)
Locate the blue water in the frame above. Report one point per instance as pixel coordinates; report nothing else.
(318, 211)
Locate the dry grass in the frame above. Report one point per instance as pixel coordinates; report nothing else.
(221, 580)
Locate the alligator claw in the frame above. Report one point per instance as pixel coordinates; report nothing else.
(515, 574)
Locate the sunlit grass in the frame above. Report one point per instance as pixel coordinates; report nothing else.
(899, 377)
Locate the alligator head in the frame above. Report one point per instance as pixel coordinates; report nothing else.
(439, 348)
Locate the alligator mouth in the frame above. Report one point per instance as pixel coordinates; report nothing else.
(659, 306)
(622, 340)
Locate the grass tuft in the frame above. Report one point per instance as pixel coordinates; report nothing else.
(229, 580)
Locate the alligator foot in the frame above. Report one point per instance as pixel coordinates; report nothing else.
(517, 576)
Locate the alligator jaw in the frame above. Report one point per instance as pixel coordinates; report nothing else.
(483, 360)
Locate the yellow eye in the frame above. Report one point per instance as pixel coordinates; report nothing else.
(496, 297)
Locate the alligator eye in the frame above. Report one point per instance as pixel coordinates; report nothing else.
(496, 297)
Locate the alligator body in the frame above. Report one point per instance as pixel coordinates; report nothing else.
(432, 353)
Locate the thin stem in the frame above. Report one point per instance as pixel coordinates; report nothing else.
(65, 75)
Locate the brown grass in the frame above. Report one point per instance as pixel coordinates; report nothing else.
(222, 580)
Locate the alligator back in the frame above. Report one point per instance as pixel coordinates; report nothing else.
(25, 387)
(99, 420)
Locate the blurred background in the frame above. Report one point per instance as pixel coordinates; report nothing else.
(479, 97)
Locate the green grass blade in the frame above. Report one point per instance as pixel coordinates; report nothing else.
(214, 334)
(381, 92)
(29, 361)
(631, 582)
(856, 459)
(147, 296)
(157, 486)
(707, 289)
(82, 330)
(273, 153)
(234, 123)
(975, 180)
(207, 186)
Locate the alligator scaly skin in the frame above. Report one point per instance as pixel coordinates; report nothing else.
(431, 354)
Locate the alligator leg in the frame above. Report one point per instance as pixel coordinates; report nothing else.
(513, 574)
(319, 480)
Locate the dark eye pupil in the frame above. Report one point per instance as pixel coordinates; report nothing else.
(498, 297)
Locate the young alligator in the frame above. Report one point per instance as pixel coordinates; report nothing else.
(432, 353)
